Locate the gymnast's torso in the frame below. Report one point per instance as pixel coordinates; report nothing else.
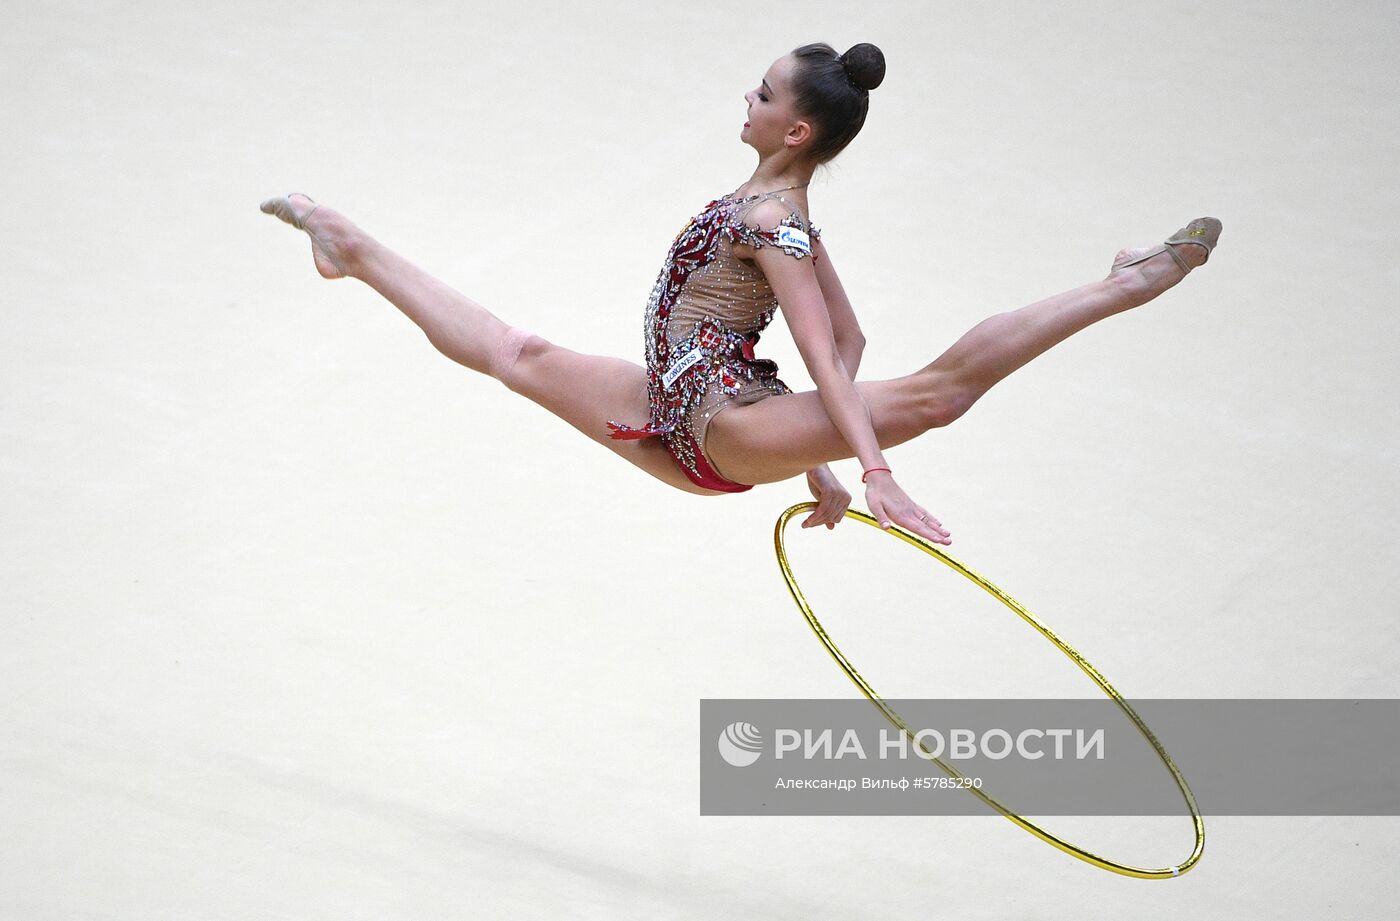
(702, 320)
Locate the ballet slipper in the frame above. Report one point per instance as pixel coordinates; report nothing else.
(1203, 231)
(282, 207)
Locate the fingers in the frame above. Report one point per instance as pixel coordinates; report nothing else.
(922, 527)
(830, 511)
(828, 517)
(937, 535)
(928, 527)
(915, 520)
(931, 527)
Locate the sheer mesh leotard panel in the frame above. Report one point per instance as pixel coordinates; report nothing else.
(703, 318)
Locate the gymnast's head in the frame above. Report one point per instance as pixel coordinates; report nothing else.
(812, 102)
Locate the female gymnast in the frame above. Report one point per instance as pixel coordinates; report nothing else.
(727, 272)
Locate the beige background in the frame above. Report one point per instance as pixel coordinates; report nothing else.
(303, 620)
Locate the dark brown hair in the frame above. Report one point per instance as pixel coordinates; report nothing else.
(833, 91)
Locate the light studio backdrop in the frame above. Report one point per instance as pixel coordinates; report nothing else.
(303, 620)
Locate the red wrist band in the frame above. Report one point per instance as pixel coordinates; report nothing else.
(872, 470)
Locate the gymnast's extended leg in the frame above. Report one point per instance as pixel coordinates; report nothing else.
(783, 436)
(583, 390)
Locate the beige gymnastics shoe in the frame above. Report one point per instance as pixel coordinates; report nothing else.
(1203, 231)
(282, 207)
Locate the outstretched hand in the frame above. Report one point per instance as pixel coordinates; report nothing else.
(832, 498)
(889, 504)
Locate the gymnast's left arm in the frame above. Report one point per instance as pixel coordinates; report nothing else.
(845, 328)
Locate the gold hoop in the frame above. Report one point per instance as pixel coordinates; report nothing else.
(893, 717)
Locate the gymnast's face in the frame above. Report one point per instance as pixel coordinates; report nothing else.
(773, 123)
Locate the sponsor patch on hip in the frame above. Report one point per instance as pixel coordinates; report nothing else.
(680, 366)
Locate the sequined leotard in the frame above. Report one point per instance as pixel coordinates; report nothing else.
(704, 316)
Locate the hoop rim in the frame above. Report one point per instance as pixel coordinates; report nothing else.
(890, 714)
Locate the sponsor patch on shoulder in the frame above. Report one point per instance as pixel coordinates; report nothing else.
(797, 239)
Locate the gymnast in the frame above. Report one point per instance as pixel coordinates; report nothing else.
(705, 414)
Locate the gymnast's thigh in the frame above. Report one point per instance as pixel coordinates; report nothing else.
(784, 435)
(587, 391)
(710, 409)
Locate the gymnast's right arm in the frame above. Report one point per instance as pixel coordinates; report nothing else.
(799, 294)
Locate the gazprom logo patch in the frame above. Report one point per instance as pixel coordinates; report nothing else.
(797, 239)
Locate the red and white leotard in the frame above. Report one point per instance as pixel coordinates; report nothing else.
(706, 311)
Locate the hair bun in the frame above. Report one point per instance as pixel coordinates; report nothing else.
(865, 65)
